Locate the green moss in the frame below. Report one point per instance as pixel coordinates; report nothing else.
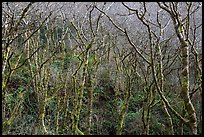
(185, 83)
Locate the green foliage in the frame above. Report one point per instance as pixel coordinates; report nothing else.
(133, 123)
(52, 105)
(156, 128)
(132, 116)
(57, 65)
(70, 60)
(91, 60)
(10, 100)
(30, 103)
(136, 102)
(27, 125)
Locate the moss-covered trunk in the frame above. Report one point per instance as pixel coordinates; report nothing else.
(146, 113)
(182, 26)
(168, 120)
(185, 87)
(42, 96)
(78, 94)
(124, 108)
(90, 102)
(42, 116)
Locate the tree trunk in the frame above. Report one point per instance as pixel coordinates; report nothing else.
(185, 87)
(124, 108)
(169, 124)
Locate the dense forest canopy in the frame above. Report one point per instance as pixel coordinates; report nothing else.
(102, 68)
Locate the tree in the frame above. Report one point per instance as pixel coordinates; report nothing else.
(181, 26)
(101, 68)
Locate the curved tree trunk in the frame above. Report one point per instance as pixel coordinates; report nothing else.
(169, 124)
(185, 87)
(180, 26)
(124, 108)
